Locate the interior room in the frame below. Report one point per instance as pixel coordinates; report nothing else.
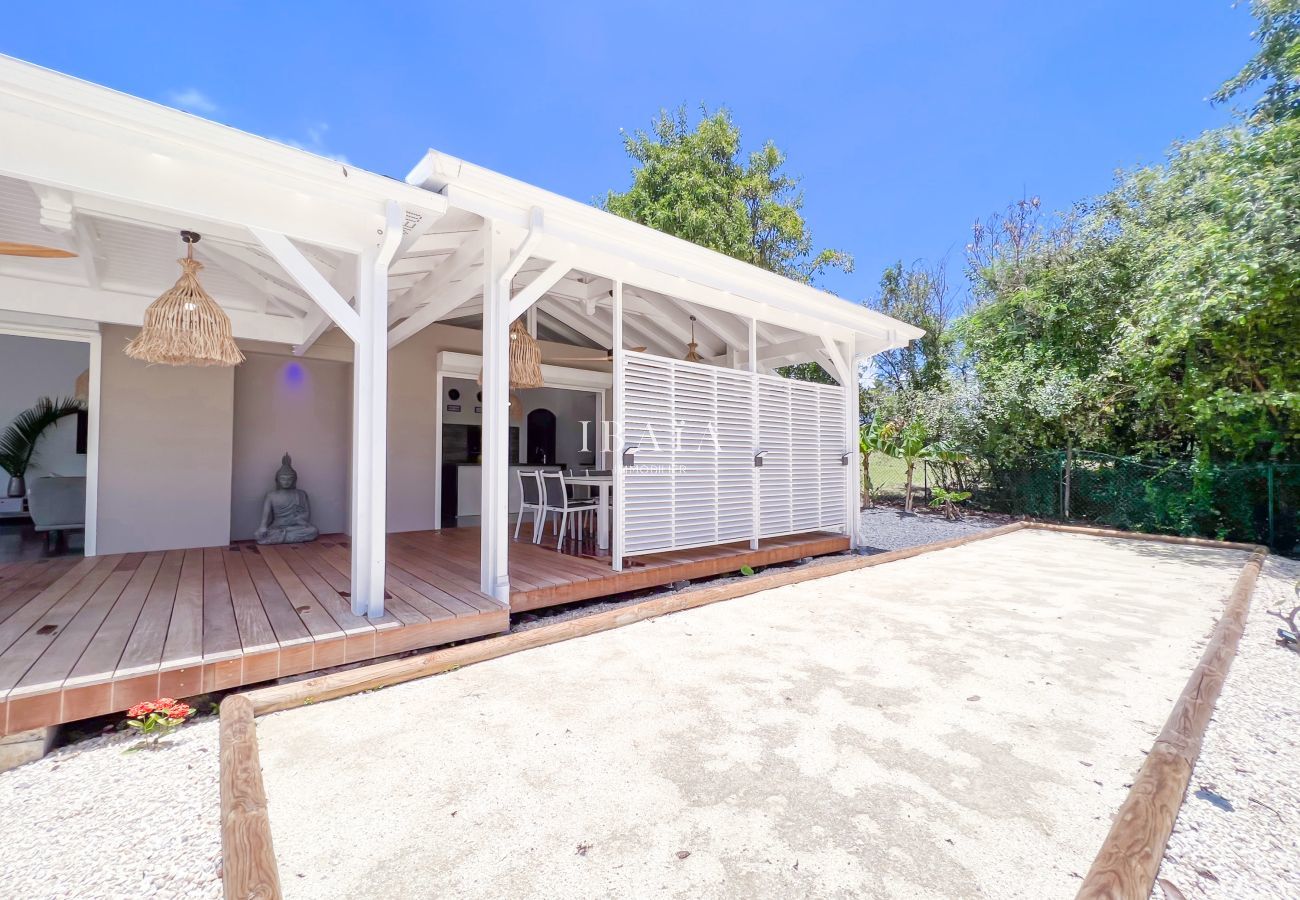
(51, 490)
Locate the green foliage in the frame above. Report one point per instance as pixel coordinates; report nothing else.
(1277, 64)
(18, 442)
(919, 295)
(878, 437)
(947, 501)
(697, 184)
(1159, 319)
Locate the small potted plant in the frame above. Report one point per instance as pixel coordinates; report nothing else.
(18, 441)
(155, 719)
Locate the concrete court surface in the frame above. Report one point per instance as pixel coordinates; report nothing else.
(959, 724)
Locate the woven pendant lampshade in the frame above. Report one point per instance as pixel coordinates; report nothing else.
(186, 327)
(693, 349)
(525, 358)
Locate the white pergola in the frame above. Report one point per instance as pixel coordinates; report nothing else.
(295, 245)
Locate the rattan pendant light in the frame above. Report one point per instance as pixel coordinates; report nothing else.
(525, 357)
(693, 349)
(186, 327)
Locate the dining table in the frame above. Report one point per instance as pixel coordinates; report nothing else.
(604, 485)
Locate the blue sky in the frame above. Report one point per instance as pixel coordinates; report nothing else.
(906, 120)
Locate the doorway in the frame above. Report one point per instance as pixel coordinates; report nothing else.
(541, 437)
(53, 510)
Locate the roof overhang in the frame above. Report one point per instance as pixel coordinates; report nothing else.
(656, 260)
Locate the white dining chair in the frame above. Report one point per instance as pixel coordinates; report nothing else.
(556, 499)
(530, 500)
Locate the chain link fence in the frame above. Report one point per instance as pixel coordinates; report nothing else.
(1257, 503)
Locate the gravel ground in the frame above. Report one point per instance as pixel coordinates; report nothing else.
(887, 528)
(1238, 834)
(89, 821)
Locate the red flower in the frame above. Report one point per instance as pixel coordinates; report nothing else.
(163, 707)
(140, 710)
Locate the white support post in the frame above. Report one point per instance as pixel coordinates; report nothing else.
(370, 421)
(494, 520)
(852, 428)
(618, 432)
(757, 488)
(440, 386)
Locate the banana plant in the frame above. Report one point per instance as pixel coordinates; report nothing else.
(947, 501)
(913, 445)
(878, 437)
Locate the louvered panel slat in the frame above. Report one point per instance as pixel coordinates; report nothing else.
(698, 426)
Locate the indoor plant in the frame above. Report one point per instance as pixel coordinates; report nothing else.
(18, 442)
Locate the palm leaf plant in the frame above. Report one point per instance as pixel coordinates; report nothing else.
(878, 437)
(19, 440)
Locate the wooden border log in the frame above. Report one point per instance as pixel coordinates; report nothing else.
(1208, 543)
(352, 681)
(248, 867)
(1129, 860)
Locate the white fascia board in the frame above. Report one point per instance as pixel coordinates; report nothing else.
(491, 194)
(25, 295)
(71, 134)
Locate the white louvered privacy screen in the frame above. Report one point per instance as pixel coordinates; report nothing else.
(697, 429)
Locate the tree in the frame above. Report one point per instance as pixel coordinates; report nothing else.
(918, 295)
(695, 183)
(1276, 66)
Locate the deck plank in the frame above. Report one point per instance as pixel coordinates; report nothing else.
(99, 660)
(51, 670)
(144, 648)
(23, 585)
(318, 621)
(23, 652)
(127, 627)
(285, 621)
(255, 632)
(220, 631)
(187, 631)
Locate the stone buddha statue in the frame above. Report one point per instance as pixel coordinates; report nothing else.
(286, 512)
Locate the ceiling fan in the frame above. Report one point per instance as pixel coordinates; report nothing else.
(608, 357)
(8, 248)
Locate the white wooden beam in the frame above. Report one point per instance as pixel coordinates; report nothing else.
(839, 365)
(456, 267)
(533, 291)
(413, 231)
(236, 263)
(526, 248)
(87, 244)
(587, 326)
(75, 301)
(733, 334)
(455, 295)
(802, 348)
(309, 278)
(370, 421)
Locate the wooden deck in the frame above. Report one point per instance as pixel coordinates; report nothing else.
(81, 637)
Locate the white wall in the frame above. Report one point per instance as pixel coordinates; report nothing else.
(164, 453)
(303, 406)
(32, 368)
(179, 450)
